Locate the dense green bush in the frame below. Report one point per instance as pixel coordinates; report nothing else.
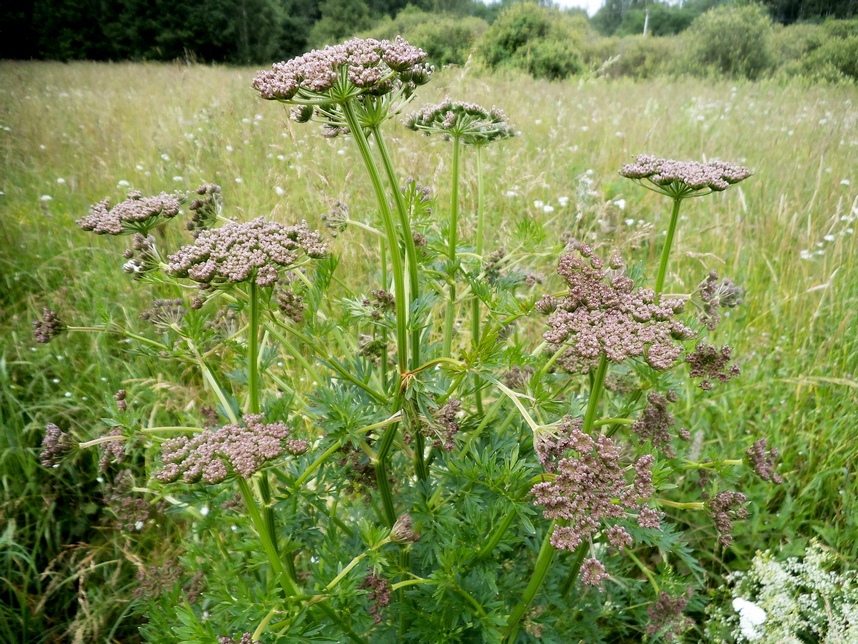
(541, 41)
(730, 40)
(638, 56)
(447, 38)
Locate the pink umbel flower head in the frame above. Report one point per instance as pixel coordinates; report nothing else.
(682, 179)
(472, 123)
(137, 214)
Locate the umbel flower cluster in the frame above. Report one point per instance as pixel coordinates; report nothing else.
(605, 314)
(48, 327)
(137, 214)
(473, 124)
(591, 491)
(340, 72)
(211, 456)
(238, 252)
(680, 179)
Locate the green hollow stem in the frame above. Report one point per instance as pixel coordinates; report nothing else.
(540, 570)
(452, 240)
(286, 582)
(383, 366)
(497, 534)
(475, 303)
(381, 478)
(577, 560)
(390, 230)
(407, 239)
(595, 394)
(665, 253)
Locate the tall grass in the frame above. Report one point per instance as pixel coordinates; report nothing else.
(786, 235)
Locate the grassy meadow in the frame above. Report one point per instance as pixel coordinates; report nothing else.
(73, 134)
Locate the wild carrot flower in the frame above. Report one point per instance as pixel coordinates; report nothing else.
(655, 422)
(682, 179)
(593, 572)
(591, 489)
(238, 252)
(55, 445)
(762, 463)
(605, 313)
(137, 214)
(211, 456)
(318, 82)
(724, 508)
(48, 327)
(716, 294)
(471, 123)
(205, 209)
(710, 363)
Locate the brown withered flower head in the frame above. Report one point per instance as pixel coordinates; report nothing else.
(137, 214)
(472, 124)
(717, 294)
(48, 327)
(605, 314)
(238, 252)
(55, 445)
(763, 463)
(340, 72)
(205, 208)
(724, 508)
(683, 179)
(211, 456)
(710, 363)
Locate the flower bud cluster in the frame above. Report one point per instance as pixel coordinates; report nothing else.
(403, 531)
(666, 616)
(379, 595)
(605, 314)
(716, 294)
(762, 463)
(471, 123)
(137, 214)
(48, 327)
(205, 209)
(246, 638)
(154, 581)
(165, 314)
(655, 422)
(724, 508)
(710, 363)
(120, 398)
(142, 256)
(113, 451)
(211, 456)
(337, 219)
(291, 305)
(131, 511)
(680, 179)
(55, 445)
(239, 252)
(381, 302)
(591, 490)
(444, 425)
(339, 72)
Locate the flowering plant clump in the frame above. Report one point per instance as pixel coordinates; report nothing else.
(454, 446)
(137, 214)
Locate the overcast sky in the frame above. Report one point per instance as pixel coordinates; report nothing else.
(592, 6)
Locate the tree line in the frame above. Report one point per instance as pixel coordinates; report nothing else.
(258, 31)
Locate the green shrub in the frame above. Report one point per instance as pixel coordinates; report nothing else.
(541, 41)
(730, 40)
(835, 59)
(638, 56)
(448, 39)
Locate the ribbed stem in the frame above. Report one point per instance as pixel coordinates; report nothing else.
(665, 253)
(253, 350)
(475, 303)
(392, 238)
(540, 570)
(452, 240)
(595, 394)
(382, 481)
(497, 534)
(407, 240)
(384, 280)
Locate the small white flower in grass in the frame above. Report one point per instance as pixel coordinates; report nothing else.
(229, 148)
(538, 204)
(829, 238)
(281, 157)
(67, 394)
(341, 152)
(61, 180)
(584, 128)
(245, 120)
(122, 184)
(239, 180)
(511, 193)
(563, 201)
(43, 147)
(204, 510)
(620, 203)
(139, 168)
(46, 198)
(751, 616)
(280, 191)
(630, 222)
(844, 182)
(178, 178)
(55, 381)
(138, 525)
(547, 209)
(165, 156)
